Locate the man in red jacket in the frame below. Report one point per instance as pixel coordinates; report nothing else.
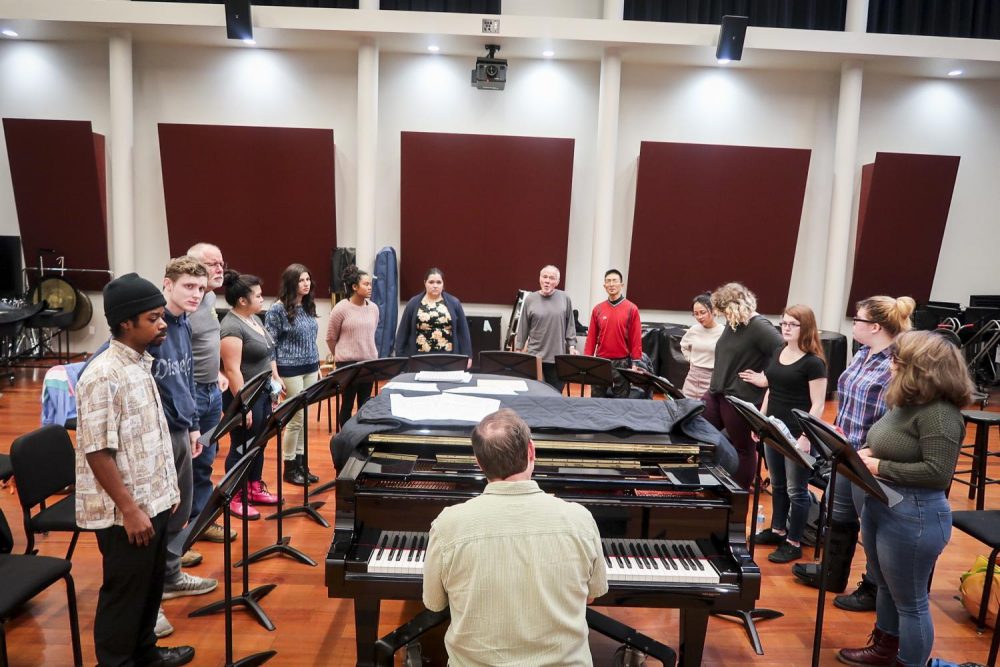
(616, 334)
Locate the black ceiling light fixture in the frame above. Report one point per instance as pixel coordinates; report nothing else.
(238, 22)
(732, 31)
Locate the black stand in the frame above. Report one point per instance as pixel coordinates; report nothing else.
(845, 462)
(644, 380)
(765, 430)
(581, 369)
(236, 414)
(276, 426)
(221, 496)
(329, 387)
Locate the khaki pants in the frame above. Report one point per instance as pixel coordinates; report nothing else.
(291, 439)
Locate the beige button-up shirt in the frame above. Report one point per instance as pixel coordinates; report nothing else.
(118, 408)
(516, 566)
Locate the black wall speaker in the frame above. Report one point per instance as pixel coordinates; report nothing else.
(238, 22)
(731, 34)
(11, 276)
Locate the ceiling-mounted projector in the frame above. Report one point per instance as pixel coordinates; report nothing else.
(490, 72)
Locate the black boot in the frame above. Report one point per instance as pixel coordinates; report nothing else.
(862, 599)
(305, 471)
(293, 473)
(843, 543)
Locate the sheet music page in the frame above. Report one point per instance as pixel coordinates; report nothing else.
(443, 376)
(413, 386)
(508, 385)
(442, 407)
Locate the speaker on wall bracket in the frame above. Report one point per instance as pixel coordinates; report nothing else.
(732, 32)
(238, 21)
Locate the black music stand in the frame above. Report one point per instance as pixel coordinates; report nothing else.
(764, 429)
(221, 496)
(329, 387)
(644, 380)
(437, 362)
(280, 417)
(845, 462)
(236, 415)
(581, 369)
(512, 364)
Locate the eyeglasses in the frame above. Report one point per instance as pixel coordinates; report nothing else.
(861, 319)
(213, 265)
(789, 325)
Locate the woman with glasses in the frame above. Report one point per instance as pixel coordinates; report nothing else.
(747, 344)
(913, 448)
(698, 347)
(794, 378)
(861, 391)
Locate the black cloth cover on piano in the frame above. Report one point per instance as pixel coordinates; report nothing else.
(548, 411)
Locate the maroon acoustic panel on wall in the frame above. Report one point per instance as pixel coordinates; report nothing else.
(264, 195)
(57, 173)
(904, 213)
(489, 211)
(708, 214)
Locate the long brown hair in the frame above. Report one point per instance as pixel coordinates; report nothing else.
(927, 368)
(808, 331)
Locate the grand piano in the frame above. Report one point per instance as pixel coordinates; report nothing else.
(673, 523)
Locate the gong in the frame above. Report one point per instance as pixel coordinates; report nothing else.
(83, 312)
(57, 293)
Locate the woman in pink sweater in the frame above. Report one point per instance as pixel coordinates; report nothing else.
(351, 335)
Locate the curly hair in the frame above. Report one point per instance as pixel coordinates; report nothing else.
(891, 314)
(185, 265)
(351, 276)
(736, 303)
(926, 368)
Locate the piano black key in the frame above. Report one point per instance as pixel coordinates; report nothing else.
(622, 558)
(649, 555)
(683, 559)
(639, 556)
(381, 547)
(694, 557)
(402, 546)
(667, 560)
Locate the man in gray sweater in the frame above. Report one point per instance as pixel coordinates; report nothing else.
(546, 328)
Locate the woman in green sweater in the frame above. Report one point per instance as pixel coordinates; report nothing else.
(913, 448)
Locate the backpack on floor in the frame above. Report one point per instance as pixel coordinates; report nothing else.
(971, 590)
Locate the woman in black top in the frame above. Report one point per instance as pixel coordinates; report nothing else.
(748, 343)
(795, 378)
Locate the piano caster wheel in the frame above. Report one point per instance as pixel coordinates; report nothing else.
(626, 656)
(413, 656)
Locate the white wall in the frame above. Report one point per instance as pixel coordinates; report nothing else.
(743, 107)
(946, 117)
(543, 98)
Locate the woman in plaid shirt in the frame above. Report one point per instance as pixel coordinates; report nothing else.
(861, 392)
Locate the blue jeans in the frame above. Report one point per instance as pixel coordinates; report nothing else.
(208, 400)
(903, 544)
(238, 437)
(789, 494)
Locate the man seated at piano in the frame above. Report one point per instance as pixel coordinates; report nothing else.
(516, 566)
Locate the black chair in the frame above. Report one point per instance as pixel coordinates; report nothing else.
(437, 362)
(978, 480)
(44, 464)
(6, 470)
(24, 577)
(985, 527)
(514, 364)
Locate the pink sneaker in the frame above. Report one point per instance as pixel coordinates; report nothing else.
(259, 495)
(236, 508)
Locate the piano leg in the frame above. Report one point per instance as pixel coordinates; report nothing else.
(366, 611)
(693, 626)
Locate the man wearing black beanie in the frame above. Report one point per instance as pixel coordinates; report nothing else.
(126, 483)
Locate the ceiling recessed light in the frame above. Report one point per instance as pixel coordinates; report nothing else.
(7, 32)
(548, 53)
(433, 48)
(724, 61)
(955, 72)
(250, 41)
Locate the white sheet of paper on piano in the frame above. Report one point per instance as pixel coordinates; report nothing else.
(482, 391)
(443, 376)
(442, 407)
(510, 385)
(426, 387)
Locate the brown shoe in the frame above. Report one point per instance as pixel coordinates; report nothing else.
(880, 652)
(190, 558)
(216, 533)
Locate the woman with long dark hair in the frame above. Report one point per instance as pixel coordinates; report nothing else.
(246, 350)
(795, 378)
(291, 321)
(350, 335)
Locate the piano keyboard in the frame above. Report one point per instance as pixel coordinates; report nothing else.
(664, 561)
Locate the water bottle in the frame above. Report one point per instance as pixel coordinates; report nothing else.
(760, 518)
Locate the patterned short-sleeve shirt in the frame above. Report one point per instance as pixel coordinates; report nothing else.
(119, 409)
(434, 328)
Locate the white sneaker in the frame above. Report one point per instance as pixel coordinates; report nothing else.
(162, 627)
(188, 584)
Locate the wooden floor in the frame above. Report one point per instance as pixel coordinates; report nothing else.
(315, 630)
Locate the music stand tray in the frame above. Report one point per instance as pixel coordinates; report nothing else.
(643, 380)
(582, 369)
(221, 496)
